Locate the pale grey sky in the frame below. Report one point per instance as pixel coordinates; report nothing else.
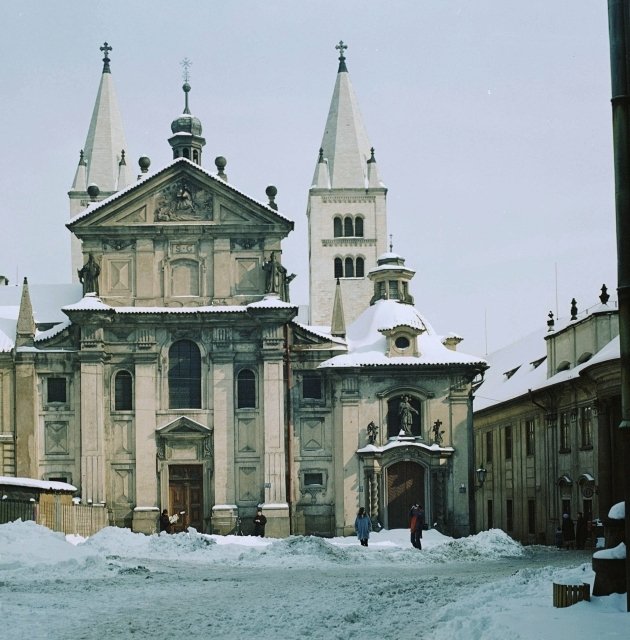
(490, 120)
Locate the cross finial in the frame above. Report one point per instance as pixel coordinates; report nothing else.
(341, 47)
(186, 64)
(106, 49)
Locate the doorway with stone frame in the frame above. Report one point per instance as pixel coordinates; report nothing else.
(405, 487)
(185, 496)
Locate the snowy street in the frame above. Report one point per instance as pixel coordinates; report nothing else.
(123, 585)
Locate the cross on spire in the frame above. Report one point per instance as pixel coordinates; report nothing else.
(186, 64)
(106, 49)
(341, 47)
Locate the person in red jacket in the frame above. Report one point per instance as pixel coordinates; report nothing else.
(416, 525)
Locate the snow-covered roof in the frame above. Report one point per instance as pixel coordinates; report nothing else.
(31, 483)
(520, 367)
(367, 346)
(320, 332)
(47, 301)
(95, 206)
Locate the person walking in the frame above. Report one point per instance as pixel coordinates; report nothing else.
(416, 525)
(259, 523)
(362, 526)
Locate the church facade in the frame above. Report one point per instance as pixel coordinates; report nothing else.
(175, 375)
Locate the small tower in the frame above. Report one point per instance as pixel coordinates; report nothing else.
(346, 208)
(391, 279)
(102, 159)
(187, 141)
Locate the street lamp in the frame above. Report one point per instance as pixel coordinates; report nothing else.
(481, 477)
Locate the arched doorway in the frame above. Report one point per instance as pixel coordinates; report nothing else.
(405, 486)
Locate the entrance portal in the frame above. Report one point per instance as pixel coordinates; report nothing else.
(186, 494)
(405, 487)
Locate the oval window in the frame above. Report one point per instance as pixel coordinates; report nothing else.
(402, 342)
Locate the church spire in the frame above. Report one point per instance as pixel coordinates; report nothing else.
(345, 143)
(25, 332)
(101, 161)
(105, 140)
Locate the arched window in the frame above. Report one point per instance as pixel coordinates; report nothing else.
(184, 375)
(337, 227)
(348, 226)
(349, 268)
(358, 226)
(123, 391)
(246, 389)
(359, 271)
(196, 156)
(338, 268)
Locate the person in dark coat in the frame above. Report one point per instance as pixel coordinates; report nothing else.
(416, 525)
(362, 526)
(568, 531)
(259, 523)
(165, 522)
(580, 531)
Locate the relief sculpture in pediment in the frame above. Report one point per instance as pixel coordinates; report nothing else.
(183, 201)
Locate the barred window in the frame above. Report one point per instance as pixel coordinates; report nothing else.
(246, 389)
(56, 390)
(184, 375)
(123, 391)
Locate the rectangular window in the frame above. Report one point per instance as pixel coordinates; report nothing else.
(564, 432)
(529, 437)
(56, 390)
(488, 446)
(586, 427)
(531, 516)
(566, 506)
(509, 516)
(313, 478)
(508, 443)
(490, 515)
(311, 386)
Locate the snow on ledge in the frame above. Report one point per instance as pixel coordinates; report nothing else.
(32, 483)
(616, 553)
(393, 444)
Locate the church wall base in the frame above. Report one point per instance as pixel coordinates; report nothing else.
(145, 520)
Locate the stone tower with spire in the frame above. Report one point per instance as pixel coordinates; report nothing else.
(102, 161)
(346, 212)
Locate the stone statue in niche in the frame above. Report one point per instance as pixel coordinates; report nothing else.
(405, 414)
(181, 201)
(88, 275)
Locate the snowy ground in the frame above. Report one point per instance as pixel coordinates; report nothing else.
(118, 584)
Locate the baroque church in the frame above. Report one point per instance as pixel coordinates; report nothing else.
(174, 373)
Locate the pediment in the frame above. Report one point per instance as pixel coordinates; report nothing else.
(182, 193)
(183, 426)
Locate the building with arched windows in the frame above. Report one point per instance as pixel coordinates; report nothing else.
(175, 375)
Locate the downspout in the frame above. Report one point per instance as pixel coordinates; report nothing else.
(619, 33)
(289, 425)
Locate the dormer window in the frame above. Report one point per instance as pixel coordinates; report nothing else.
(585, 357)
(565, 365)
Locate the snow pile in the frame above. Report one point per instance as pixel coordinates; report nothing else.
(26, 544)
(489, 545)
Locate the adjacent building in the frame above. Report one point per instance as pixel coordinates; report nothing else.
(546, 422)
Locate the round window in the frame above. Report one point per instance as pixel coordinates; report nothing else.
(402, 342)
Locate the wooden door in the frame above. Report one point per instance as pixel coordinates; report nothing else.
(405, 487)
(186, 494)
